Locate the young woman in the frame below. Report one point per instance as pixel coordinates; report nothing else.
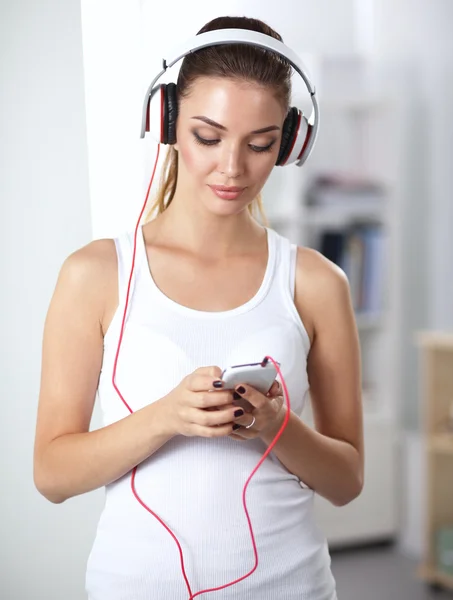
(212, 288)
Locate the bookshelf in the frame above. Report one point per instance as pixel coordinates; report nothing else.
(345, 202)
(436, 385)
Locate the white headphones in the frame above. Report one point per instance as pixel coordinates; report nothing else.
(160, 108)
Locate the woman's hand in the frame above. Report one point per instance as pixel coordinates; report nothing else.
(269, 412)
(199, 407)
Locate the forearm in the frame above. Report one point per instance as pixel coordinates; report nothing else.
(330, 467)
(80, 462)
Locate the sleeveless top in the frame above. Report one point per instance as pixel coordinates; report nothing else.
(195, 484)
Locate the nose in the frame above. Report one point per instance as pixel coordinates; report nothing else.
(231, 162)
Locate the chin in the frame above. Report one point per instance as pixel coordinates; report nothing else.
(226, 207)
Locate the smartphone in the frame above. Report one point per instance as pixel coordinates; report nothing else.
(255, 374)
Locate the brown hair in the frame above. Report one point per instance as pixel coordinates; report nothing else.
(235, 61)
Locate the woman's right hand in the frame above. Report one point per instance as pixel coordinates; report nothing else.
(196, 408)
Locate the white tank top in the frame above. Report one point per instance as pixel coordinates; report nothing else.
(195, 484)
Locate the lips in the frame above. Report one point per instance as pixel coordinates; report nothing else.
(227, 192)
(225, 188)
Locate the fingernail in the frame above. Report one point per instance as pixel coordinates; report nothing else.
(218, 383)
(238, 413)
(236, 396)
(241, 389)
(235, 426)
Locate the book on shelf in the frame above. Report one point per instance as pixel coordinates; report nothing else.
(344, 191)
(360, 251)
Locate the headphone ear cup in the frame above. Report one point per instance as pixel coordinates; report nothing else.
(162, 113)
(296, 135)
(171, 112)
(289, 132)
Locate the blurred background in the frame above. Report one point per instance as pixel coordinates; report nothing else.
(375, 197)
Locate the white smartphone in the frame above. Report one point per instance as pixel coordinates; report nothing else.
(259, 376)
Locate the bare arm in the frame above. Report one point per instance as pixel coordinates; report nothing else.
(68, 459)
(329, 459)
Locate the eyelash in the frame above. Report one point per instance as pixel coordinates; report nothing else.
(257, 149)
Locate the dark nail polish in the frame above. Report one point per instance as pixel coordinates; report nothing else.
(238, 413)
(235, 427)
(236, 396)
(218, 383)
(241, 389)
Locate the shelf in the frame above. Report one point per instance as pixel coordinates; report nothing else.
(441, 443)
(333, 216)
(434, 339)
(341, 215)
(433, 575)
(436, 383)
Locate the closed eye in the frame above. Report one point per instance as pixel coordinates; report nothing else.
(205, 142)
(262, 148)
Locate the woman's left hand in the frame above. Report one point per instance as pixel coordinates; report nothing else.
(269, 412)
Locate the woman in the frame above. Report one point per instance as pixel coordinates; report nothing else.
(213, 288)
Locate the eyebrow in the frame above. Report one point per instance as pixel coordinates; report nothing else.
(223, 128)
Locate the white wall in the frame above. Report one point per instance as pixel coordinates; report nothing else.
(423, 31)
(45, 215)
(414, 42)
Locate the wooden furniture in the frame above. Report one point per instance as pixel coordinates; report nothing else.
(436, 354)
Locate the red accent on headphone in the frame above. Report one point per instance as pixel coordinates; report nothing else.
(294, 139)
(147, 115)
(307, 138)
(162, 98)
(134, 470)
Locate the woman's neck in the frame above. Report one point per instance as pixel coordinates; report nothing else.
(199, 231)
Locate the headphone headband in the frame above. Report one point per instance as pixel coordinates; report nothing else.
(239, 36)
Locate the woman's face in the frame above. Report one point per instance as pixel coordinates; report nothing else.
(228, 135)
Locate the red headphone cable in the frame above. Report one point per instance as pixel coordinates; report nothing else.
(134, 470)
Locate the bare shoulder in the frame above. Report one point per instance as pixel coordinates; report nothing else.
(91, 261)
(90, 273)
(321, 287)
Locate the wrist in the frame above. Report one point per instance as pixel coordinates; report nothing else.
(268, 434)
(161, 419)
